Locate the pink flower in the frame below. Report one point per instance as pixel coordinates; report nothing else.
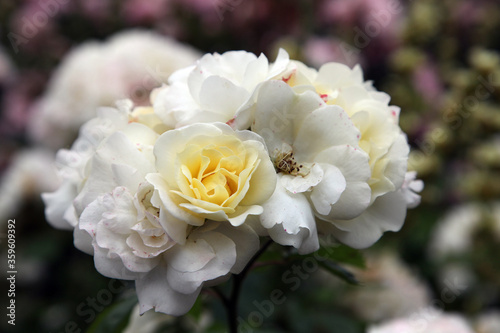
(318, 51)
(17, 101)
(139, 11)
(427, 82)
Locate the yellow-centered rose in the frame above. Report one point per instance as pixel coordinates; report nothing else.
(209, 171)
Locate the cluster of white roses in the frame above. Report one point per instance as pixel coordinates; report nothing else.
(176, 195)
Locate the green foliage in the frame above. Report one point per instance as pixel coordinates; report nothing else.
(330, 256)
(115, 318)
(346, 255)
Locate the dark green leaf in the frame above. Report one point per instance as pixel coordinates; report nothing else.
(345, 254)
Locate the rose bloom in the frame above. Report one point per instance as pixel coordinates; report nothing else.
(166, 208)
(377, 192)
(129, 65)
(215, 88)
(322, 170)
(335, 142)
(210, 172)
(72, 163)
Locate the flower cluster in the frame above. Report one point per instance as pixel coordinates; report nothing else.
(176, 195)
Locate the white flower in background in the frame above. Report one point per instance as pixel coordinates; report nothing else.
(22, 179)
(322, 171)
(94, 74)
(390, 290)
(429, 322)
(453, 240)
(215, 88)
(488, 322)
(454, 232)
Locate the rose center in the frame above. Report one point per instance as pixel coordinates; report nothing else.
(285, 162)
(215, 173)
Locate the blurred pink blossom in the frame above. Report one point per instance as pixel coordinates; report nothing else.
(17, 101)
(319, 51)
(468, 13)
(96, 10)
(33, 28)
(140, 11)
(7, 70)
(428, 83)
(352, 12)
(375, 24)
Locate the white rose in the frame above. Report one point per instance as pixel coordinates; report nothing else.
(122, 219)
(209, 171)
(379, 136)
(73, 163)
(128, 65)
(215, 88)
(370, 112)
(322, 170)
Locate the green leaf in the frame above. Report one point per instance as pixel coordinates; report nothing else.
(115, 318)
(345, 254)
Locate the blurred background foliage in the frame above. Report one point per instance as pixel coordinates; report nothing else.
(439, 61)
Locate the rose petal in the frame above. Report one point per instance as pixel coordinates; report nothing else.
(154, 292)
(387, 213)
(290, 220)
